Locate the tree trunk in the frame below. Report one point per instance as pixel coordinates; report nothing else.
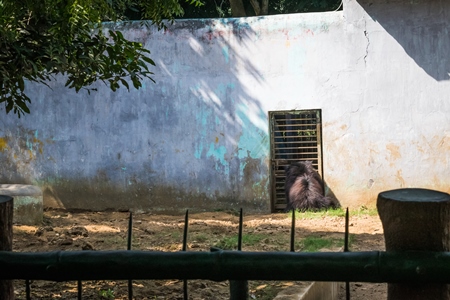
(237, 8)
(6, 233)
(256, 7)
(418, 220)
(265, 7)
(260, 8)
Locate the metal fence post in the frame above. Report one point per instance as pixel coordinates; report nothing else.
(239, 288)
(130, 234)
(185, 233)
(293, 231)
(346, 249)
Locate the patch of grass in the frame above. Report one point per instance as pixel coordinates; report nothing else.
(351, 239)
(315, 243)
(115, 240)
(339, 212)
(200, 237)
(106, 294)
(171, 233)
(364, 211)
(231, 242)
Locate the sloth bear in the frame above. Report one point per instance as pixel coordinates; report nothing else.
(304, 188)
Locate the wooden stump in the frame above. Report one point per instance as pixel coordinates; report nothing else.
(6, 233)
(415, 219)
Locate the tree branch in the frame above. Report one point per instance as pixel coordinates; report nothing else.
(256, 7)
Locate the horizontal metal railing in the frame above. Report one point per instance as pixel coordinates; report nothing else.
(374, 266)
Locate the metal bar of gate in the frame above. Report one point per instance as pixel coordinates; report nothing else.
(292, 248)
(130, 235)
(346, 249)
(27, 289)
(374, 266)
(239, 288)
(184, 249)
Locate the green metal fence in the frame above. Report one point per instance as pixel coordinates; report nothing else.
(219, 265)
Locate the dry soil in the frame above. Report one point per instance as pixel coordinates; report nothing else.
(68, 231)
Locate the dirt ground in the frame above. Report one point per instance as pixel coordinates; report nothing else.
(62, 230)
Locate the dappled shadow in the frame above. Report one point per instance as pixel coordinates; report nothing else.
(328, 191)
(420, 27)
(208, 63)
(197, 139)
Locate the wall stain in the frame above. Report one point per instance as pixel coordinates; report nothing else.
(3, 144)
(394, 151)
(400, 178)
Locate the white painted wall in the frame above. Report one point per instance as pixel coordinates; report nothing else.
(199, 138)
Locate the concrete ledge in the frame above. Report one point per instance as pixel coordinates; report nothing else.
(311, 291)
(28, 202)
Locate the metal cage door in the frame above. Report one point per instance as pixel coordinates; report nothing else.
(295, 136)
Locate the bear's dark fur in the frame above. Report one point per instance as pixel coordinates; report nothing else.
(304, 188)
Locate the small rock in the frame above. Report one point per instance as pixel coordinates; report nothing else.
(87, 246)
(39, 231)
(43, 239)
(66, 242)
(79, 230)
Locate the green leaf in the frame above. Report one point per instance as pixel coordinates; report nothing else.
(125, 83)
(40, 39)
(9, 106)
(21, 84)
(148, 60)
(23, 106)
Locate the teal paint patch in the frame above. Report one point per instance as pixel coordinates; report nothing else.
(252, 142)
(218, 153)
(202, 121)
(226, 54)
(205, 120)
(219, 156)
(222, 89)
(29, 144)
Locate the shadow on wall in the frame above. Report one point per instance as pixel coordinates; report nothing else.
(225, 136)
(329, 192)
(196, 139)
(420, 27)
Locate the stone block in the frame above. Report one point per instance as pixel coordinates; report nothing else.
(28, 203)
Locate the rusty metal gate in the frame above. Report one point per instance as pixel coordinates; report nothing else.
(295, 136)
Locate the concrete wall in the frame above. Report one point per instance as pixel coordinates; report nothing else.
(199, 138)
